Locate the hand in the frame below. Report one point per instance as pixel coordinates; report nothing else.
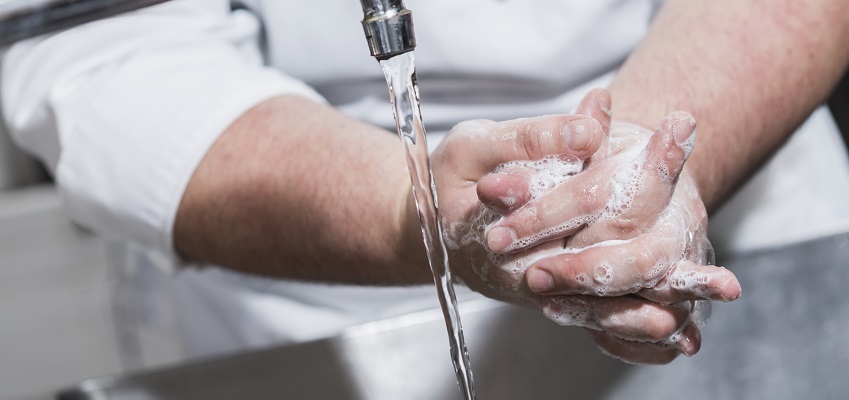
(633, 202)
(648, 234)
(471, 151)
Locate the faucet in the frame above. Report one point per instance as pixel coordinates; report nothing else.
(388, 26)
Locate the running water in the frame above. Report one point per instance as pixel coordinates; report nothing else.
(400, 72)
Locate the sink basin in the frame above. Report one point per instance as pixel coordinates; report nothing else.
(786, 338)
(512, 349)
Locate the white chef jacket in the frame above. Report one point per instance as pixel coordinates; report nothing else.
(122, 111)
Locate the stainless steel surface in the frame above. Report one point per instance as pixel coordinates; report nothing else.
(787, 337)
(22, 19)
(404, 358)
(784, 339)
(388, 26)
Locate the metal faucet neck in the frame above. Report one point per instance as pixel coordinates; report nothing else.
(388, 26)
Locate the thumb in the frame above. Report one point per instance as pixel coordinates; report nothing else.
(597, 104)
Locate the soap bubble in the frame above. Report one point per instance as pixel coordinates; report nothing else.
(602, 273)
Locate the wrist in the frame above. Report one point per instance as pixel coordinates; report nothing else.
(410, 250)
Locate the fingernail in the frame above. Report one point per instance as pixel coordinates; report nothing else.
(684, 131)
(540, 281)
(604, 102)
(690, 342)
(730, 287)
(578, 134)
(686, 346)
(500, 238)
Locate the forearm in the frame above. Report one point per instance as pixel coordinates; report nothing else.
(749, 71)
(295, 189)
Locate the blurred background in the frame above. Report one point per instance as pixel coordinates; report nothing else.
(57, 314)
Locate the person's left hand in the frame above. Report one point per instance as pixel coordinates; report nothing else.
(637, 227)
(501, 276)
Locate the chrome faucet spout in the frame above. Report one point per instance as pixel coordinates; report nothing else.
(388, 26)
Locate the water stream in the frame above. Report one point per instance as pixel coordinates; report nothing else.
(400, 73)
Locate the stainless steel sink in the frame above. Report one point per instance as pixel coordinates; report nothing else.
(786, 338)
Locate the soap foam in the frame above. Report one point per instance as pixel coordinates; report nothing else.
(507, 201)
(626, 183)
(549, 172)
(688, 144)
(568, 312)
(602, 273)
(573, 223)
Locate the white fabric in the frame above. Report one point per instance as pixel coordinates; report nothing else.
(800, 194)
(122, 110)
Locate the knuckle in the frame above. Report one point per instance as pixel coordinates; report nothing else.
(530, 142)
(592, 198)
(626, 228)
(470, 126)
(651, 266)
(569, 278)
(530, 220)
(467, 133)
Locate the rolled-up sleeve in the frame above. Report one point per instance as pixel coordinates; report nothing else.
(123, 110)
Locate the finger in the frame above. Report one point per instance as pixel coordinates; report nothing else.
(634, 352)
(640, 191)
(617, 209)
(612, 268)
(490, 144)
(512, 186)
(690, 281)
(505, 191)
(626, 317)
(650, 264)
(597, 104)
(558, 213)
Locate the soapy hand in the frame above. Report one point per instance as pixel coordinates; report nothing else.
(560, 144)
(630, 211)
(632, 225)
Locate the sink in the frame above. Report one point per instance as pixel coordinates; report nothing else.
(401, 358)
(786, 338)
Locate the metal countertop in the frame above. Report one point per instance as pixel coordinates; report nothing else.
(786, 338)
